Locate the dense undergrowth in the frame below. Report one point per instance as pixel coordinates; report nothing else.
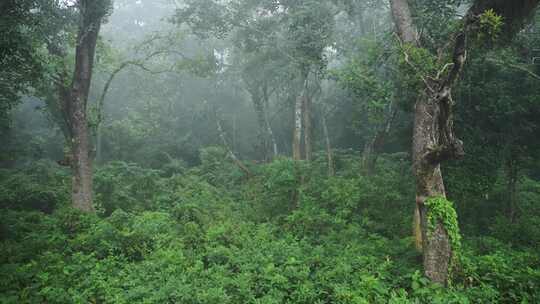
(206, 234)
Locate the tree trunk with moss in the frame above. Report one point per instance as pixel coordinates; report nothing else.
(434, 140)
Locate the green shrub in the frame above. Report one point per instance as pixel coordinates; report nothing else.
(43, 186)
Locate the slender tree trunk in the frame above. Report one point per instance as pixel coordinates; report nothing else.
(272, 136)
(297, 131)
(511, 188)
(231, 153)
(234, 133)
(261, 124)
(306, 120)
(100, 110)
(329, 153)
(269, 133)
(369, 156)
(99, 144)
(101, 100)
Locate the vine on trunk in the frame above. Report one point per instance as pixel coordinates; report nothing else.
(441, 210)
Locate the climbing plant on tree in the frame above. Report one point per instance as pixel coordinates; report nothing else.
(434, 140)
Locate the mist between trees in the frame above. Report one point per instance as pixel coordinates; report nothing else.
(264, 151)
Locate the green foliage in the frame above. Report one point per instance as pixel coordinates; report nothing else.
(178, 222)
(180, 238)
(277, 187)
(416, 64)
(26, 26)
(490, 26)
(42, 186)
(120, 185)
(216, 166)
(365, 78)
(440, 211)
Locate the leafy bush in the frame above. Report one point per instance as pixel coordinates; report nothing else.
(120, 185)
(42, 186)
(288, 235)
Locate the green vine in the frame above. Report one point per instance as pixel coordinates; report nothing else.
(441, 210)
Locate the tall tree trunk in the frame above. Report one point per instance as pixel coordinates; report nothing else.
(261, 124)
(433, 142)
(99, 144)
(405, 27)
(298, 118)
(512, 174)
(369, 156)
(407, 32)
(429, 150)
(306, 120)
(81, 164)
(275, 151)
(329, 153)
(82, 76)
(271, 139)
(231, 153)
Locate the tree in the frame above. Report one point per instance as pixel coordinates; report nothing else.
(434, 140)
(40, 47)
(73, 99)
(295, 32)
(309, 30)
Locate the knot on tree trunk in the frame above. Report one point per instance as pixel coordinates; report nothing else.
(447, 151)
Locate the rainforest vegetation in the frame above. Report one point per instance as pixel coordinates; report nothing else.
(269, 151)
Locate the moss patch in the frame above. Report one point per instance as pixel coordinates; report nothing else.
(442, 210)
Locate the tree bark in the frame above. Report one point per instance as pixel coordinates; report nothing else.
(82, 76)
(275, 150)
(329, 153)
(369, 156)
(306, 120)
(406, 30)
(405, 27)
(512, 174)
(427, 154)
(433, 142)
(258, 104)
(298, 119)
(269, 133)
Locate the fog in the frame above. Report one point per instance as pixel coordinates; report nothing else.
(265, 151)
